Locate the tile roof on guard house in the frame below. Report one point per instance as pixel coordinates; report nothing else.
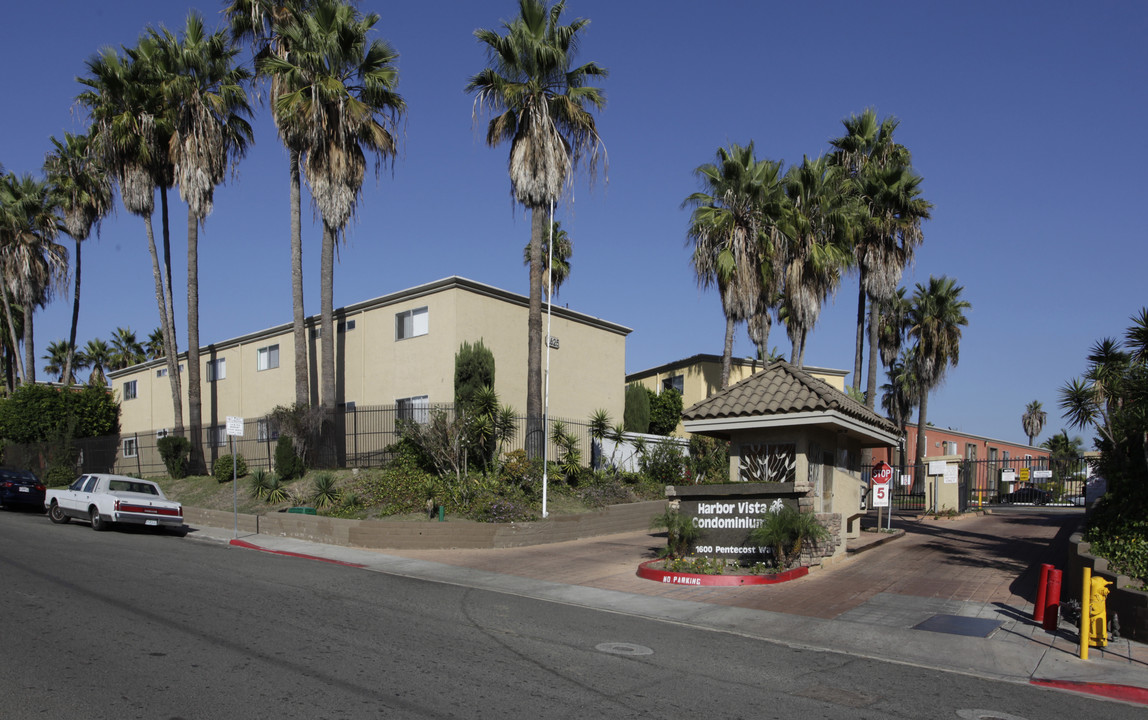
(784, 396)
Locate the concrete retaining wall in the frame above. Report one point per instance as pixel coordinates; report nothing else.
(431, 535)
(1128, 603)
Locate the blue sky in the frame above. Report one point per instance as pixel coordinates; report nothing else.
(1025, 119)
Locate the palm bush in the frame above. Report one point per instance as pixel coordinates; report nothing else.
(276, 490)
(259, 484)
(786, 531)
(324, 491)
(680, 532)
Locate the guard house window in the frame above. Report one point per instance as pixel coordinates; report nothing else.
(411, 323)
(131, 449)
(414, 409)
(216, 369)
(267, 358)
(675, 382)
(130, 390)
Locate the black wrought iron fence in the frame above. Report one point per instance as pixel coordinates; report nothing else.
(358, 437)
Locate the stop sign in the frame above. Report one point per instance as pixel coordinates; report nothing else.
(882, 473)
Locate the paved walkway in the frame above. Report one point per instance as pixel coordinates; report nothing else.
(871, 603)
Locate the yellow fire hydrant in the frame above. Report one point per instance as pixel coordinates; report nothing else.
(1093, 613)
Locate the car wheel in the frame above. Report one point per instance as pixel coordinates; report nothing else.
(98, 522)
(57, 515)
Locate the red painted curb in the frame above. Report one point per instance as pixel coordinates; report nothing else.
(250, 546)
(1128, 693)
(679, 578)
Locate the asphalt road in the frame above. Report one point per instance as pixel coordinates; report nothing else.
(131, 624)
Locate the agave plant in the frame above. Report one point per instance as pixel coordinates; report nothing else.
(260, 484)
(324, 492)
(276, 490)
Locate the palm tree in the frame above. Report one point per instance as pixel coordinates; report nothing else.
(540, 102)
(553, 277)
(735, 233)
(890, 225)
(209, 134)
(337, 92)
(58, 357)
(262, 22)
(818, 236)
(33, 265)
(900, 395)
(153, 348)
(126, 349)
(99, 357)
(83, 190)
(936, 317)
(132, 131)
(891, 328)
(1033, 420)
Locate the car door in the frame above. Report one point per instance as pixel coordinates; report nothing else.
(81, 494)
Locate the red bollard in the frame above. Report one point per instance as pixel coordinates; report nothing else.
(1052, 600)
(1041, 588)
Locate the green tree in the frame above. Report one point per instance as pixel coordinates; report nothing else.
(126, 349)
(208, 98)
(735, 235)
(665, 411)
(473, 371)
(99, 357)
(1033, 420)
(337, 92)
(31, 261)
(540, 102)
(636, 415)
(818, 230)
(936, 317)
(553, 277)
(83, 191)
(62, 359)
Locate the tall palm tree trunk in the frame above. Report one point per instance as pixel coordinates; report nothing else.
(327, 324)
(15, 348)
(874, 347)
(169, 341)
(727, 350)
(168, 330)
(535, 433)
(194, 396)
(922, 411)
(859, 347)
(76, 319)
(299, 332)
(29, 343)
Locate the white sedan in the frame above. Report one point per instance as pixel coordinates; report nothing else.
(103, 499)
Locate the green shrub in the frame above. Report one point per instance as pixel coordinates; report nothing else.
(397, 488)
(665, 411)
(786, 531)
(222, 470)
(636, 416)
(664, 463)
(175, 451)
(324, 492)
(473, 371)
(260, 484)
(520, 471)
(288, 464)
(680, 532)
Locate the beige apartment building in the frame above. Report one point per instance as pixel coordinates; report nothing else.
(699, 376)
(398, 349)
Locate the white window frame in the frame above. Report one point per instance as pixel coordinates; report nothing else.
(266, 431)
(130, 390)
(677, 382)
(412, 323)
(216, 369)
(264, 357)
(131, 447)
(217, 436)
(416, 408)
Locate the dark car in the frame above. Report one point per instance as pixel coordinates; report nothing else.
(20, 488)
(1032, 495)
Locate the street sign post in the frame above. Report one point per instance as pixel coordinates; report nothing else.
(234, 430)
(882, 479)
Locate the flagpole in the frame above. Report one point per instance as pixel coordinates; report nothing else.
(546, 392)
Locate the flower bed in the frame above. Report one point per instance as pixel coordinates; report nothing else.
(650, 570)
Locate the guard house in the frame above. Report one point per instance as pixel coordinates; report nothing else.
(792, 438)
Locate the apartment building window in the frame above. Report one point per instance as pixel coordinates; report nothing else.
(162, 372)
(675, 382)
(414, 409)
(130, 390)
(411, 323)
(216, 369)
(131, 447)
(267, 431)
(217, 436)
(267, 358)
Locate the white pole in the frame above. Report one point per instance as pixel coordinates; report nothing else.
(546, 390)
(235, 485)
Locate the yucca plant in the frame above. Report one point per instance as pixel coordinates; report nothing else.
(324, 492)
(276, 490)
(260, 484)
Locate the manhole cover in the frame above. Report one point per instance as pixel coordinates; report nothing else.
(959, 625)
(623, 649)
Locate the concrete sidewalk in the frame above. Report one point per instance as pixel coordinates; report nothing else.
(951, 595)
